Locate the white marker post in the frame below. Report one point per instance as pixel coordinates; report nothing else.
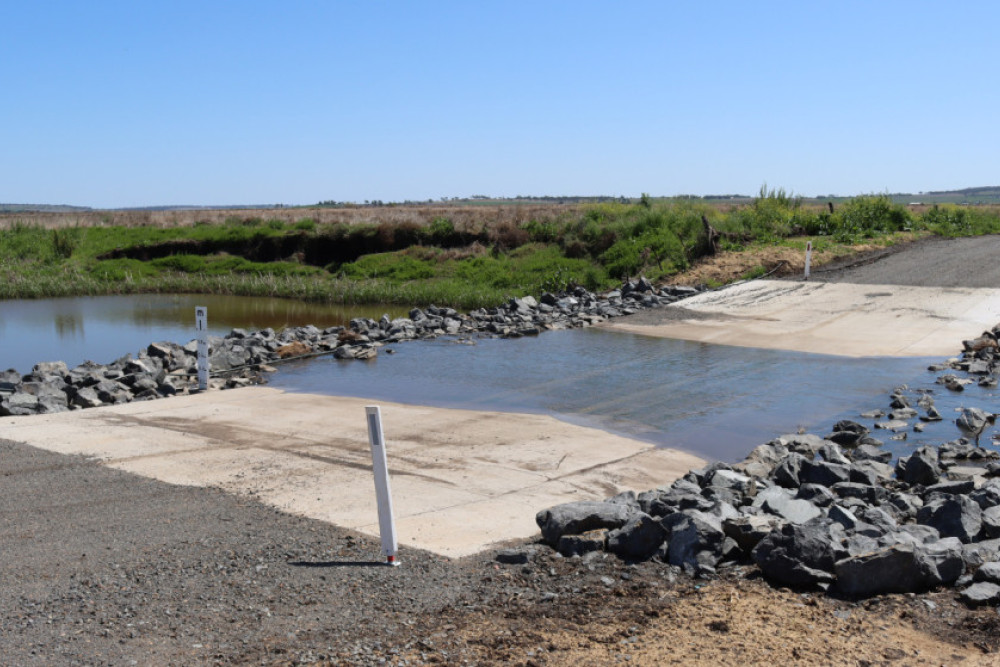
(380, 466)
(201, 325)
(809, 257)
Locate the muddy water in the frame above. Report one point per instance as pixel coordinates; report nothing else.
(103, 329)
(716, 401)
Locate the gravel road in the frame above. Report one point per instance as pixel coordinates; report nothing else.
(101, 567)
(929, 262)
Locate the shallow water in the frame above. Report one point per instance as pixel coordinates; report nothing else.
(104, 328)
(716, 401)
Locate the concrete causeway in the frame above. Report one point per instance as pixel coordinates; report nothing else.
(461, 479)
(849, 319)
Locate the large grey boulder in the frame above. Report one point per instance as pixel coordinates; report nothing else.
(50, 368)
(870, 453)
(973, 421)
(731, 480)
(872, 495)
(919, 468)
(87, 398)
(824, 473)
(901, 568)
(780, 503)
(988, 572)
(953, 516)
(578, 517)
(847, 433)
(797, 555)
(19, 403)
(10, 378)
(984, 551)
(982, 593)
(578, 545)
(762, 460)
(788, 471)
(991, 522)
(638, 539)
(695, 540)
(832, 453)
(748, 530)
(817, 494)
(806, 444)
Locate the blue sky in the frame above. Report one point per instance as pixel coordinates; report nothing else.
(113, 104)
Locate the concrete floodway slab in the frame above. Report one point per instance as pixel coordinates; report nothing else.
(461, 479)
(855, 320)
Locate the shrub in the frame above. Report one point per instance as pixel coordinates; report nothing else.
(630, 256)
(392, 266)
(506, 235)
(868, 215)
(951, 220)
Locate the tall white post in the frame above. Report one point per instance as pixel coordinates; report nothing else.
(201, 325)
(380, 466)
(809, 257)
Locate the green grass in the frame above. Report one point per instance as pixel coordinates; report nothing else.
(406, 263)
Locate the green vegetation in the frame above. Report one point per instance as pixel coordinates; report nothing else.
(464, 265)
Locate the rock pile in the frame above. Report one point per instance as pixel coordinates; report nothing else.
(828, 512)
(166, 369)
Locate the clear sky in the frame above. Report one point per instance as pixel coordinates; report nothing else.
(113, 104)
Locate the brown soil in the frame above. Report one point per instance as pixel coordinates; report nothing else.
(564, 612)
(728, 266)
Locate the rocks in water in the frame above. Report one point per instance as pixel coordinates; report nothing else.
(919, 468)
(973, 421)
(848, 433)
(832, 512)
(293, 349)
(166, 368)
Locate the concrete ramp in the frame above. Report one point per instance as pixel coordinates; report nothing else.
(848, 319)
(461, 480)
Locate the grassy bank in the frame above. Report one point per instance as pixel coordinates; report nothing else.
(469, 261)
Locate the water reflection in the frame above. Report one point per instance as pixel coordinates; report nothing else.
(69, 326)
(104, 328)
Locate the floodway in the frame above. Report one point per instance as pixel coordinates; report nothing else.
(914, 303)
(461, 479)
